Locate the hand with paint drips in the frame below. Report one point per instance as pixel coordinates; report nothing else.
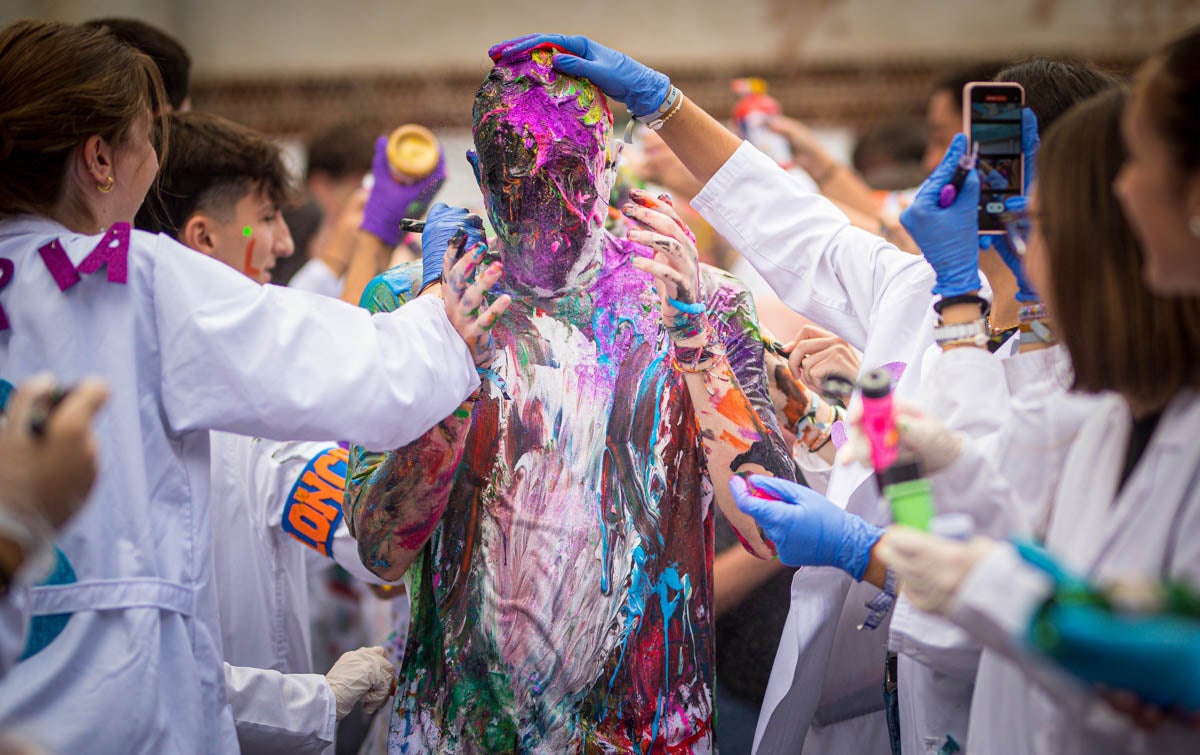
(675, 267)
(463, 291)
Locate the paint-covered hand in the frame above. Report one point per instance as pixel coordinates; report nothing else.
(931, 568)
(441, 225)
(806, 527)
(948, 237)
(641, 89)
(675, 266)
(391, 201)
(466, 306)
(364, 675)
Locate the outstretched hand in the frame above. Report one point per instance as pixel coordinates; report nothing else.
(463, 291)
(675, 266)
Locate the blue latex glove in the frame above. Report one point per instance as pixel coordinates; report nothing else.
(949, 238)
(1014, 262)
(390, 201)
(1030, 144)
(441, 224)
(619, 76)
(806, 528)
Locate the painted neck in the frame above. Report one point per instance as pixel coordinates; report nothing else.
(547, 267)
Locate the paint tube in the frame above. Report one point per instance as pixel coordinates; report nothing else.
(901, 482)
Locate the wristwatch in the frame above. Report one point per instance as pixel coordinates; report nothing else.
(654, 120)
(973, 332)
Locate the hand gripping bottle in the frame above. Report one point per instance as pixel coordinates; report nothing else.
(751, 113)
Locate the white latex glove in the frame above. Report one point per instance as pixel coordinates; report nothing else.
(922, 437)
(931, 568)
(364, 674)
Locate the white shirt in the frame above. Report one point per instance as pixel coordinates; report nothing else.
(187, 345)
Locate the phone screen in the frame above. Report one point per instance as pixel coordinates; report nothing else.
(995, 125)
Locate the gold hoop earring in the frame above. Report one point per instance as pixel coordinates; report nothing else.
(107, 188)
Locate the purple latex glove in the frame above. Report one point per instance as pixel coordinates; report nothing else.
(391, 201)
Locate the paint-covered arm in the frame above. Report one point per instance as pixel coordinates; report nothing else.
(733, 405)
(718, 350)
(394, 501)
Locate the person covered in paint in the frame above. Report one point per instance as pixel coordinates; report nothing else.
(276, 504)
(556, 531)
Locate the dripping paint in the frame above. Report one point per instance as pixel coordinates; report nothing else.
(558, 545)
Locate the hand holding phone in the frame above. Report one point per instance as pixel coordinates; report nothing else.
(992, 121)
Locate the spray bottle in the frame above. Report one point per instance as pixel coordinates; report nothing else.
(901, 482)
(751, 113)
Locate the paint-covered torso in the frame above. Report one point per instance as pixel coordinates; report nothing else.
(564, 602)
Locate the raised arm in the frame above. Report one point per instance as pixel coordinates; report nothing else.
(731, 405)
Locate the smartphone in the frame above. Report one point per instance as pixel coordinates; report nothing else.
(992, 119)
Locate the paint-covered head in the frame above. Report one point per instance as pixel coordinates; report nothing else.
(545, 164)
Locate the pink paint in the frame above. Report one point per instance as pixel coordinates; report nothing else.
(55, 258)
(879, 419)
(113, 252)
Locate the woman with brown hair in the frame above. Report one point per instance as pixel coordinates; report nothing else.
(187, 345)
(1126, 499)
(1159, 185)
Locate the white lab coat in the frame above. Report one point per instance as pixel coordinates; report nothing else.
(1150, 529)
(316, 277)
(187, 345)
(262, 522)
(878, 299)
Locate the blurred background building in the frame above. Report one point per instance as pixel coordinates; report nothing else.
(293, 67)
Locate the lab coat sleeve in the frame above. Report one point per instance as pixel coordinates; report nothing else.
(996, 604)
(967, 390)
(277, 363)
(839, 276)
(278, 468)
(14, 625)
(281, 713)
(816, 470)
